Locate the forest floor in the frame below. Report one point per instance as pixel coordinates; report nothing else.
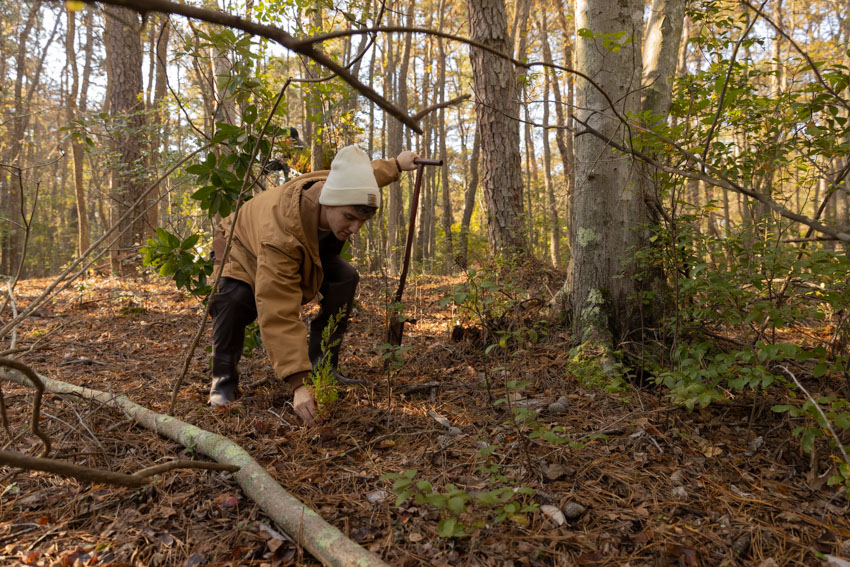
(641, 483)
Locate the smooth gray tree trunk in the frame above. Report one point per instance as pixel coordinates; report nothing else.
(607, 208)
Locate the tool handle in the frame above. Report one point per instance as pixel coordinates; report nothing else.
(423, 161)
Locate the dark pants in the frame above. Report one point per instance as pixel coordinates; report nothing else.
(233, 308)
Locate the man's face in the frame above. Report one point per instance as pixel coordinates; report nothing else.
(342, 221)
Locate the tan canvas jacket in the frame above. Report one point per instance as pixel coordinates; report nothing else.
(275, 249)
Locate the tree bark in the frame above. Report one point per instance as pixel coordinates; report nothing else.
(395, 140)
(446, 218)
(552, 206)
(71, 114)
(497, 110)
(159, 54)
(469, 203)
(607, 209)
(10, 246)
(126, 106)
(660, 56)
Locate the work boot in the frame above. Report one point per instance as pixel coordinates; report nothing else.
(224, 390)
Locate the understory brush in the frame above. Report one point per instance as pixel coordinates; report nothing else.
(764, 318)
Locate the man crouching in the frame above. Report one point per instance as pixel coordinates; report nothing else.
(286, 247)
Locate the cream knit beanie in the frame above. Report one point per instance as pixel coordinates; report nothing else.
(351, 180)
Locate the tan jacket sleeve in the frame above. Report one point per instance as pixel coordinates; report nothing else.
(386, 171)
(277, 292)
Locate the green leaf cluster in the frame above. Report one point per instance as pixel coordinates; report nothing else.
(461, 511)
(178, 259)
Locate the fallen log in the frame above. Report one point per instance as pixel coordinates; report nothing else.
(300, 523)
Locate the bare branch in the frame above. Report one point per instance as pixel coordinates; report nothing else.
(36, 404)
(425, 111)
(270, 32)
(826, 421)
(799, 50)
(135, 480)
(203, 465)
(720, 181)
(722, 99)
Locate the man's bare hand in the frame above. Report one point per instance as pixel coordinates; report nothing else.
(405, 160)
(304, 405)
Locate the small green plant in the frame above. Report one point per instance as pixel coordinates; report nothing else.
(253, 339)
(322, 378)
(527, 421)
(393, 356)
(460, 512)
(132, 310)
(822, 416)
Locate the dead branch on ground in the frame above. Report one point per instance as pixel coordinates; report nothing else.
(88, 474)
(36, 404)
(321, 539)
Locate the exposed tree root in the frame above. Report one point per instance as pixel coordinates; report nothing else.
(303, 525)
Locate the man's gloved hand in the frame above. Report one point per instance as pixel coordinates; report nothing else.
(405, 160)
(304, 405)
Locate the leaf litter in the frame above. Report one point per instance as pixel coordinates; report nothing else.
(640, 483)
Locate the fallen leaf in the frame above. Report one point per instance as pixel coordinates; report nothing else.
(377, 496)
(226, 501)
(553, 514)
(833, 561)
(554, 471)
(712, 451)
(194, 560)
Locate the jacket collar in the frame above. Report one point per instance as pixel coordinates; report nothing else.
(309, 208)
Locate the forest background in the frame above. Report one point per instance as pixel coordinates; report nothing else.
(681, 167)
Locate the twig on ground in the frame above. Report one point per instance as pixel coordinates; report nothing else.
(36, 404)
(135, 480)
(82, 360)
(321, 539)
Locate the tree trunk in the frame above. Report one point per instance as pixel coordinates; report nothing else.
(660, 56)
(469, 203)
(71, 114)
(159, 54)
(395, 140)
(11, 243)
(551, 204)
(497, 110)
(554, 222)
(315, 108)
(446, 218)
(124, 69)
(608, 214)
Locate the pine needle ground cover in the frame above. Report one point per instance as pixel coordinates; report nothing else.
(452, 455)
